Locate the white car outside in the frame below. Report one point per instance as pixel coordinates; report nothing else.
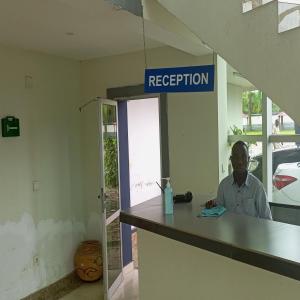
(286, 184)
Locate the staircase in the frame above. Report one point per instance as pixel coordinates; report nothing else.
(288, 12)
(259, 43)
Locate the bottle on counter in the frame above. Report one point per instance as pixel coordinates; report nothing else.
(168, 198)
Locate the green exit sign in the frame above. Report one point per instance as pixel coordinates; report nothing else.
(10, 126)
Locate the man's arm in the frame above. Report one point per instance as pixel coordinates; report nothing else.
(218, 201)
(220, 195)
(263, 204)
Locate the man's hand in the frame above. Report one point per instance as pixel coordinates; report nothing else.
(210, 204)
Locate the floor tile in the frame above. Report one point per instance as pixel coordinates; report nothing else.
(128, 290)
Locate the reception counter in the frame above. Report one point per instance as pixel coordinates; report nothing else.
(183, 256)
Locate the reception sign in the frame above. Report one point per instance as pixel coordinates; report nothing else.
(181, 79)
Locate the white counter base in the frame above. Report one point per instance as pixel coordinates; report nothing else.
(169, 269)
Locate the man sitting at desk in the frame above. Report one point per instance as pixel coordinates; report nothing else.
(241, 192)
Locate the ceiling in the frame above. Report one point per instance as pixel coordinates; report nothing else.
(86, 29)
(78, 29)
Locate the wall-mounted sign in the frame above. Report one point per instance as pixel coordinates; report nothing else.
(10, 126)
(181, 79)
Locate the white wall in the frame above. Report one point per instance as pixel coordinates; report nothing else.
(192, 121)
(48, 223)
(144, 149)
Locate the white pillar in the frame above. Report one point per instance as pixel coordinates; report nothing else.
(221, 69)
(266, 146)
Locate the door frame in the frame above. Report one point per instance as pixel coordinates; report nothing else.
(122, 94)
(108, 291)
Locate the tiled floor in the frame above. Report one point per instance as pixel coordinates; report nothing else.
(129, 288)
(88, 291)
(94, 291)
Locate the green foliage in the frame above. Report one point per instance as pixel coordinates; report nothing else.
(256, 102)
(275, 108)
(256, 97)
(109, 114)
(111, 161)
(236, 131)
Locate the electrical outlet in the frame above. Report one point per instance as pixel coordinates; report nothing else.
(35, 185)
(28, 82)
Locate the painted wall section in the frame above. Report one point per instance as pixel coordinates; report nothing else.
(39, 229)
(91, 167)
(192, 117)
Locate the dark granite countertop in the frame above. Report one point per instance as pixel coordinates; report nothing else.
(266, 244)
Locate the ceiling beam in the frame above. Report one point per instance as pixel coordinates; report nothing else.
(162, 26)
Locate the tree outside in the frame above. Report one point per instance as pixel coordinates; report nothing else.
(252, 106)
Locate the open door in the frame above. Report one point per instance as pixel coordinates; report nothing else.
(110, 196)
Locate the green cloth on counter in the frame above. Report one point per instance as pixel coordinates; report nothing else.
(212, 212)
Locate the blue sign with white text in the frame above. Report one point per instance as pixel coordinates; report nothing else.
(180, 79)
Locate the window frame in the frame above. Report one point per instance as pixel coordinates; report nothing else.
(267, 139)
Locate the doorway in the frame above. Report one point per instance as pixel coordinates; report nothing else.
(125, 95)
(144, 155)
(144, 149)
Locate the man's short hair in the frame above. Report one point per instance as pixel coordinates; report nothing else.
(241, 143)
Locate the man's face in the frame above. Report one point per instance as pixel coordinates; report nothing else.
(239, 158)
